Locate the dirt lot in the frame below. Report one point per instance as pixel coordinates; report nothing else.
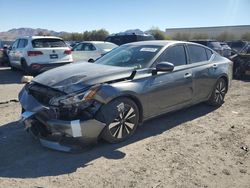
(196, 147)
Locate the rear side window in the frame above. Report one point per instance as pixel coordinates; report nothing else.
(48, 43)
(175, 55)
(197, 54)
(209, 53)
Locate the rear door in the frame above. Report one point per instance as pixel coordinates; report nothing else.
(49, 50)
(200, 61)
(170, 89)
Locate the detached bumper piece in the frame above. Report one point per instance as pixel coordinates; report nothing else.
(61, 135)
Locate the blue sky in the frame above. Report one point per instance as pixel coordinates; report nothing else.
(120, 15)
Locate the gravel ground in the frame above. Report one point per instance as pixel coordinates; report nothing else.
(196, 147)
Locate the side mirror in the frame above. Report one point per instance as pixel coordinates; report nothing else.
(163, 67)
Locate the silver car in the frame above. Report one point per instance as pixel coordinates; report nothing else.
(91, 50)
(109, 98)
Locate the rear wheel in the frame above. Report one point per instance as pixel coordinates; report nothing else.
(25, 67)
(219, 92)
(124, 125)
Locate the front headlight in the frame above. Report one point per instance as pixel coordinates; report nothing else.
(75, 99)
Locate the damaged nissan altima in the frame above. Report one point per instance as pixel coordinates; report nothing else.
(108, 99)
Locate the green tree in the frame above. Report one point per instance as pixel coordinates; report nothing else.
(158, 34)
(200, 36)
(182, 36)
(246, 36)
(225, 36)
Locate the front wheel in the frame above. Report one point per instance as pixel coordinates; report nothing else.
(125, 124)
(219, 92)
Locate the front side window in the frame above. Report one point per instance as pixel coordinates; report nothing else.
(88, 47)
(14, 46)
(77, 47)
(22, 43)
(130, 56)
(197, 54)
(175, 55)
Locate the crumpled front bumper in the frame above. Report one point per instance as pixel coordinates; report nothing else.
(60, 135)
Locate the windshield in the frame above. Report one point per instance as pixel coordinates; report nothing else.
(48, 43)
(105, 46)
(130, 56)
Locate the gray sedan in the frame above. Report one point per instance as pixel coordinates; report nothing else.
(122, 89)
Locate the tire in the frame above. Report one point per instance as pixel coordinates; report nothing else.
(219, 92)
(91, 60)
(124, 125)
(25, 67)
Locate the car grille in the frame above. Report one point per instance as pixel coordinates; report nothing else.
(41, 93)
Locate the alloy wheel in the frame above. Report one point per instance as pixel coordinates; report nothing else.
(220, 92)
(124, 124)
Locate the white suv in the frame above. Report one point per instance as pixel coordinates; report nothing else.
(36, 54)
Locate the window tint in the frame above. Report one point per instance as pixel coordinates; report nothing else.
(14, 46)
(22, 43)
(77, 47)
(130, 56)
(197, 54)
(209, 53)
(88, 47)
(48, 43)
(175, 55)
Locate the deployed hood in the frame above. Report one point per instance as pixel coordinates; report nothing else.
(78, 76)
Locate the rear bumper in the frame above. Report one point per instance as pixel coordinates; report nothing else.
(38, 68)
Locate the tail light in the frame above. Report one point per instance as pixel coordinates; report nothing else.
(34, 53)
(35, 66)
(67, 52)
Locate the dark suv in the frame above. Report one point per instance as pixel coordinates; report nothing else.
(124, 38)
(213, 44)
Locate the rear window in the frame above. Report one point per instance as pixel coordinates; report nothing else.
(48, 43)
(197, 54)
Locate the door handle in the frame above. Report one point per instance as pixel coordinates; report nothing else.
(187, 75)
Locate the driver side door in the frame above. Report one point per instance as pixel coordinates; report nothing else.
(170, 90)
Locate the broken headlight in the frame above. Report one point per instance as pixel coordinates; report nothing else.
(75, 99)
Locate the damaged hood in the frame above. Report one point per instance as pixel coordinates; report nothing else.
(74, 77)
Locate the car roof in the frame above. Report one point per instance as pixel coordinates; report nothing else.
(96, 42)
(38, 37)
(160, 42)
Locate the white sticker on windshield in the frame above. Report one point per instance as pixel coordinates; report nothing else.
(148, 49)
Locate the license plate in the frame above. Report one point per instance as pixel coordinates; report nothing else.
(247, 72)
(53, 56)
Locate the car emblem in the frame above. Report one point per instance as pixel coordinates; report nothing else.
(53, 51)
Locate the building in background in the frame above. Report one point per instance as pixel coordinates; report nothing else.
(220, 32)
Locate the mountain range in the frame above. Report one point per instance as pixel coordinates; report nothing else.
(14, 33)
(19, 32)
